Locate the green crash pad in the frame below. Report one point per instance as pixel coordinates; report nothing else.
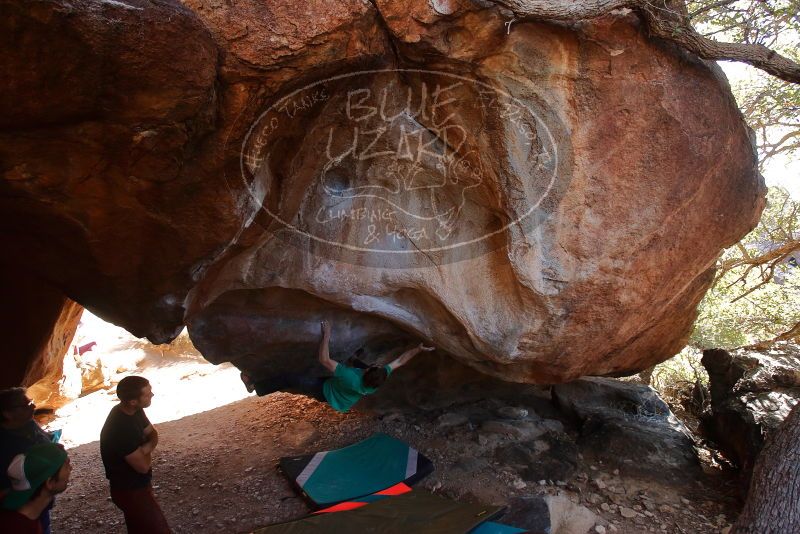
(366, 467)
(419, 512)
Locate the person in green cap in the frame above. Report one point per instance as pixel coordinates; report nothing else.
(37, 476)
(18, 433)
(343, 389)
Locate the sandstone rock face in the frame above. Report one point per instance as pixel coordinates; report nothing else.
(752, 392)
(538, 201)
(37, 325)
(61, 384)
(54, 379)
(108, 103)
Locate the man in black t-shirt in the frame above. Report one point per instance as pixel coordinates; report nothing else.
(127, 442)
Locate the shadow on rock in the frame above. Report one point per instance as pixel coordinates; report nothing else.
(627, 426)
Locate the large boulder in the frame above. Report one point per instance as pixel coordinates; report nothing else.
(539, 201)
(108, 192)
(752, 392)
(629, 427)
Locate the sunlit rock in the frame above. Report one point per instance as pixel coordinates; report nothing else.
(538, 201)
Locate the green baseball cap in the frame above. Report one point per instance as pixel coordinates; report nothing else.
(31, 469)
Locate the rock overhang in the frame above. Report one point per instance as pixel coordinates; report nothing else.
(653, 175)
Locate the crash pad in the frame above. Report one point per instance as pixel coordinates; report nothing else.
(369, 466)
(420, 512)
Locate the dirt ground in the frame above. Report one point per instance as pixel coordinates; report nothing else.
(216, 472)
(215, 467)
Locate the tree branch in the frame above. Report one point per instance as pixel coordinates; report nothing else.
(776, 255)
(709, 7)
(792, 333)
(667, 19)
(771, 259)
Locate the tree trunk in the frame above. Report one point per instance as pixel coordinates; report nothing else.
(773, 503)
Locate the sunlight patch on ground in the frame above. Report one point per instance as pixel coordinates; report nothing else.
(183, 382)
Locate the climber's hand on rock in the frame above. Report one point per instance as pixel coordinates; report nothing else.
(326, 328)
(423, 348)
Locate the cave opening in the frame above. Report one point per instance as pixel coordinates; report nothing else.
(76, 393)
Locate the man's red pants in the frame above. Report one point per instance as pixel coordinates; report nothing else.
(143, 515)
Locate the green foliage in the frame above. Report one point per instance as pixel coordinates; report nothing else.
(757, 296)
(770, 105)
(772, 108)
(772, 23)
(674, 377)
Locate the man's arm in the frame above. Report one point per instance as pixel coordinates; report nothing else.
(407, 355)
(324, 357)
(140, 461)
(151, 434)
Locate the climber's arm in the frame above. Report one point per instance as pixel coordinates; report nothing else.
(407, 355)
(324, 356)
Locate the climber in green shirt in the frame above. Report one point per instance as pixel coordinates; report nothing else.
(343, 389)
